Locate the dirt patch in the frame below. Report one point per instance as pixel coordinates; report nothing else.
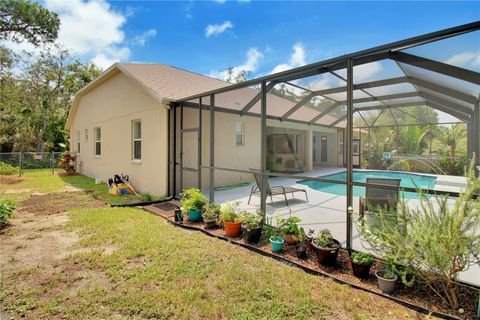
(10, 179)
(53, 203)
(33, 249)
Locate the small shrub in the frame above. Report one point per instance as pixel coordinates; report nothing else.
(324, 239)
(230, 212)
(362, 258)
(251, 220)
(147, 197)
(192, 199)
(7, 168)
(6, 211)
(211, 211)
(432, 242)
(290, 225)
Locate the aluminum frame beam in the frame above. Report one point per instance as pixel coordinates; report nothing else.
(325, 112)
(297, 106)
(446, 103)
(436, 66)
(257, 98)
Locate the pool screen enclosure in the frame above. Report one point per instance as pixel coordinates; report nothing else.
(273, 119)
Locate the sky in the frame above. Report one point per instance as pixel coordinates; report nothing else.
(260, 37)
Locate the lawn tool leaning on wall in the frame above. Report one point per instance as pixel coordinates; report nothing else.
(120, 185)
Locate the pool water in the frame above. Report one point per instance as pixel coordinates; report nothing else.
(410, 180)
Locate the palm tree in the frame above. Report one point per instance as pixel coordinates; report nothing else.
(450, 138)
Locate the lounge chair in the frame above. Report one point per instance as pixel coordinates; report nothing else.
(376, 197)
(273, 191)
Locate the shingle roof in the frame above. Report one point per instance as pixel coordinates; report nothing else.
(169, 83)
(175, 84)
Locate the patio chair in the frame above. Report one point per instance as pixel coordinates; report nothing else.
(376, 197)
(273, 190)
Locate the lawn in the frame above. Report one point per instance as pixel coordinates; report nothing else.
(67, 255)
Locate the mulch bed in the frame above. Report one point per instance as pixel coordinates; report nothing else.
(417, 295)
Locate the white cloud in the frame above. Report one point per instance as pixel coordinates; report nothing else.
(91, 29)
(141, 39)
(216, 29)
(250, 65)
(465, 59)
(297, 59)
(220, 1)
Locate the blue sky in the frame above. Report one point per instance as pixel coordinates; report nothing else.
(257, 36)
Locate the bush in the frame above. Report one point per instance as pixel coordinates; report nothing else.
(230, 212)
(324, 239)
(453, 166)
(433, 242)
(6, 211)
(362, 258)
(7, 169)
(192, 199)
(290, 225)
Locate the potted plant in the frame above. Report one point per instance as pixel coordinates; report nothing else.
(252, 227)
(301, 248)
(210, 214)
(232, 221)
(276, 243)
(274, 234)
(192, 203)
(326, 248)
(309, 240)
(386, 280)
(361, 264)
(290, 229)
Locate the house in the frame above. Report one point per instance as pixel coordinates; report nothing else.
(121, 123)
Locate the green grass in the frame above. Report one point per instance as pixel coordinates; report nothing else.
(138, 266)
(42, 181)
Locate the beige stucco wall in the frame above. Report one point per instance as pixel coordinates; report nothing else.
(112, 106)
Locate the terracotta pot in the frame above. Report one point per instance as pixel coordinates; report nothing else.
(232, 229)
(289, 239)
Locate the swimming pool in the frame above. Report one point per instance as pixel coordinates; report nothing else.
(410, 180)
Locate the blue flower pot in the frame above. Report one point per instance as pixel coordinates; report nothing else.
(277, 243)
(195, 215)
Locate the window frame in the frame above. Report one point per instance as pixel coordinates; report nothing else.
(97, 138)
(241, 133)
(135, 139)
(78, 138)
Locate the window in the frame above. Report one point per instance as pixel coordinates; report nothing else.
(86, 135)
(78, 141)
(98, 141)
(137, 139)
(239, 134)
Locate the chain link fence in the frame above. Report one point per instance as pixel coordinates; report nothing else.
(31, 163)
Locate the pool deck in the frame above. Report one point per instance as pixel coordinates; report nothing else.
(325, 210)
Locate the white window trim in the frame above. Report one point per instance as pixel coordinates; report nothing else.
(137, 161)
(242, 134)
(78, 144)
(95, 142)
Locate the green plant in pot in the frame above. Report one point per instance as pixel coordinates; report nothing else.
(361, 264)
(326, 248)
(386, 280)
(290, 229)
(301, 248)
(274, 235)
(252, 227)
(192, 203)
(231, 219)
(210, 215)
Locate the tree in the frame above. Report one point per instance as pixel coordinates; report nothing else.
(450, 137)
(25, 20)
(35, 100)
(241, 76)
